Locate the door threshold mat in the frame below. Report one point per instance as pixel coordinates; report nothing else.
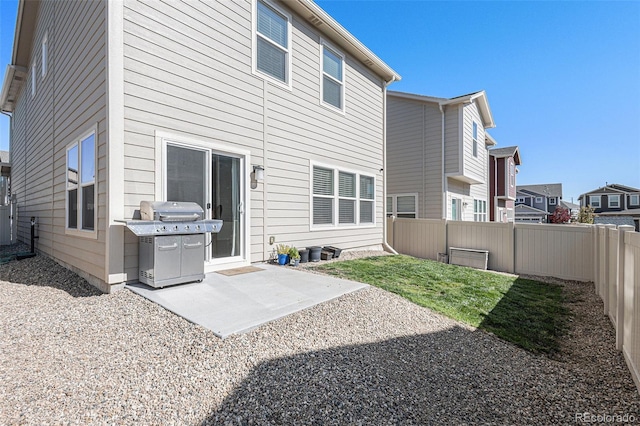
(239, 271)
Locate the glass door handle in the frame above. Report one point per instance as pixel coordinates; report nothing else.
(241, 208)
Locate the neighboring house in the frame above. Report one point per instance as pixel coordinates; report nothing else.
(437, 156)
(115, 102)
(502, 190)
(614, 204)
(543, 199)
(574, 209)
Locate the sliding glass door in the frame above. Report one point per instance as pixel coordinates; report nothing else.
(214, 181)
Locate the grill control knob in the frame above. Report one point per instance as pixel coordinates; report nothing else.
(175, 227)
(186, 227)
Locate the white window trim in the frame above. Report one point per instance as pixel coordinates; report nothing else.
(45, 54)
(539, 200)
(512, 174)
(459, 204)
(591, 203)
(336, 198)
(481, 215)
(343, 83)
(613, 197)
(552, 201)
(520, 200)
(79, 232)
(474, 139)
(254, 45)
(635, 197)
(34, 72)
(394, 203)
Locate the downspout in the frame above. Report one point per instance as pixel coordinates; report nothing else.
(495, 190)
(385, 243)
(442, 175)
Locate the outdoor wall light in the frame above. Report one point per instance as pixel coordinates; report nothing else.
(258, 173)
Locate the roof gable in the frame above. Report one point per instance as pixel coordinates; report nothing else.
(614, 188)
(478, 97)
(508, 151)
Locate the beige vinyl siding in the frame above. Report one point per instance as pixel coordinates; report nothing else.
(187, 71)
(462, 191)
(414, 144)
(405, 148)
(300, 130)
(69, 100)
(475, 167)
(452, 139)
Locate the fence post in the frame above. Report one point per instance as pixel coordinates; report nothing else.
(620, 279)
(596, 259)
(630, 308)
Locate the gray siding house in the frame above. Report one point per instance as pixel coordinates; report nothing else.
(437, 156)
(614, 204)
(540, 201)
(115, 102)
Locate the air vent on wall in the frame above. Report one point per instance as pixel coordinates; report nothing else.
(315, 20)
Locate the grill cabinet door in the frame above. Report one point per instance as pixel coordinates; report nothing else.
(167, 257)
(193, 256)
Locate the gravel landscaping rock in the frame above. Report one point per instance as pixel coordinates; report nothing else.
(70, 355)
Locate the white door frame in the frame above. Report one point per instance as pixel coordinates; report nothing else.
(211, 147)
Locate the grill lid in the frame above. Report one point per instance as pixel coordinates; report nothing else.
(170, 211)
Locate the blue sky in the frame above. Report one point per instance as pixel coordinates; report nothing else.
(562, 78)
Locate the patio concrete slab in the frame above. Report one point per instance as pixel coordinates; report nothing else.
(235, 304)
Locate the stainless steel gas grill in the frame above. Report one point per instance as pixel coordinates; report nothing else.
(171, 242)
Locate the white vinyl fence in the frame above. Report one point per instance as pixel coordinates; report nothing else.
(603, 254)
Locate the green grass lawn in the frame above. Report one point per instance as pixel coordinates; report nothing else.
(527, 313)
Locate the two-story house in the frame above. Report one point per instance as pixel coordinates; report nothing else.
(437, 156)
(269, 114)
(536, 203)
(614, 203)
(502, 190)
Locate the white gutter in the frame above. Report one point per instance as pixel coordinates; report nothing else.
(324, 23)
(385, 243)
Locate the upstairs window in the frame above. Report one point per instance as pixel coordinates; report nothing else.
(332, 78)
(475, 139)
(634, 199)
(594, 201)
(81, 183)
(272, 42)
(538, 200)
(552, 201)
(45, 47)
(34, 68)
(614, 201)
(512, 174)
